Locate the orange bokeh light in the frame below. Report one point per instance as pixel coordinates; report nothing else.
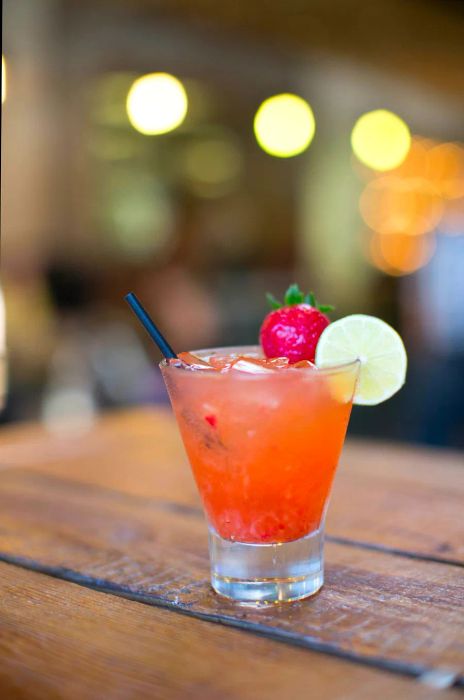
(400, 253)
(445, 169)
(416, 162)
(403, 208)
(393, 204)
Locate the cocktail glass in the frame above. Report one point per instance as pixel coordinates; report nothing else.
(263, 449)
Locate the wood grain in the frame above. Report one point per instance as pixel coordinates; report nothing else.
(400, 498)
(59, 640)
(378, 608)
(405, 499)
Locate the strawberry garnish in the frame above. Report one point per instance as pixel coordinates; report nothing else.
(293, 328)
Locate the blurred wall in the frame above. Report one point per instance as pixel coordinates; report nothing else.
(201, 222)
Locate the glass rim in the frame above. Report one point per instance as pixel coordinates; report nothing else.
(229, 349)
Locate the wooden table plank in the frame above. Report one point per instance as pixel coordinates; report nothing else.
(379, 608)
(59, 640)
(398, 498)
(402, 498)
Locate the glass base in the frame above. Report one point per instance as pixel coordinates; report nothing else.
(267, 573)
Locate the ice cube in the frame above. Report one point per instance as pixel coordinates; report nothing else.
(277, 362)
(222, 363)
(251, 365)
(193, 362)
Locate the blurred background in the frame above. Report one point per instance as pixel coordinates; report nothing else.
(203, 153)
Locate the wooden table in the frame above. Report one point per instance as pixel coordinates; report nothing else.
(104, 577)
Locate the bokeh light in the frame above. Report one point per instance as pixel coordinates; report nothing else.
(399, 253)
(136, 212)
(381, 140)
(422, 196)
(415, 165)
(445, 168)
(156, 103)
(284, 125)
(3, 79)
(391, 204)
(212, 165)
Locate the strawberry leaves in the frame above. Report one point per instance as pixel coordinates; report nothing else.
(294, 296)
(310, 299)
(272, 301)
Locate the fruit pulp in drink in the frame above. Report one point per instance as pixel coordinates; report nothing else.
(263, 447)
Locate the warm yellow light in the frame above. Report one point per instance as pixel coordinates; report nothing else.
(156, 103)
(381, 140)
(284, 125)
(3, 79)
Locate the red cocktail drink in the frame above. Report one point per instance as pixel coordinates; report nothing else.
(264, 442)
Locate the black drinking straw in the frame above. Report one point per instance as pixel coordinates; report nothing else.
(149, 326)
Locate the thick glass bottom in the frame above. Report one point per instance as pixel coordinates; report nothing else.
(267, 573)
